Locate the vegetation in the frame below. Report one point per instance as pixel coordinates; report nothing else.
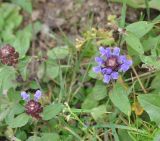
(100, 86)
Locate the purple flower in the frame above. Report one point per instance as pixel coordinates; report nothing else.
(37, 95)
(25, 96)
(110, 63)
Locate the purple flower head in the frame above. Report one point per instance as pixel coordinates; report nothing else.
(25, 96)
(37, 95)
(110, 63)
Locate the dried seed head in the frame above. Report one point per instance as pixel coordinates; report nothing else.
(34, 108)
(8, 55)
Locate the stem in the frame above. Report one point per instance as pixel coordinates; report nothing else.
(78, 119)
(135, 72)
(147, 9)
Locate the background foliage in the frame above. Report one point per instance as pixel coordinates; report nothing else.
(77, 104)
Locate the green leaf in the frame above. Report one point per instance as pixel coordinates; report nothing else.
(151, 61)
(151, 104)
(48, 71)
(98, 112)
(92, 74)
(9, 13)
(99, 91)
(157, 135)
(134, 43)
(8, 76)
(19, 121)
(140, 28)
(23, 67)
(155, 82)
(34, 138)
(25, 4)
(22, 41)
(51, 111)
(119, 97)
(89, 103)
(154, 4)
(151, 43)
(21, 135)
(4, 113)
(52, 71)
(50, 137)
(15, 110)
(58, 53)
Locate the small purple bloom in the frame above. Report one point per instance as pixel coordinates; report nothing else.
(37, 95)
(110, 63)
(25, 96)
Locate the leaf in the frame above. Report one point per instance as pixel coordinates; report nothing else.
(157, 135)
(99, 91)
(155, 82)
(151, 43)
(25, 4)
(23, 67)
(9, 13)
(34, 138)
(89, 102)
(22, 41)
(134, 43)
(15, 110)
(52, 71)
(4, 113)
(8, 76)
(58, 53)
(51, 111)
(19, 121)
(140, 28)
(151, 104)
(98, 112)
(119, 97)
(48, 71)
(92, 74)
(151, 61)
(50, 137)
(154, 4)
(21, 135)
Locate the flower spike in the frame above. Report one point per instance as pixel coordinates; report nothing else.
(110, 63)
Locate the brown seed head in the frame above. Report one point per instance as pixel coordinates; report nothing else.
(8, 55)
(34, 108)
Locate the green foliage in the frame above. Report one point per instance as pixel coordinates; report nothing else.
(52, 111)
(141, 3)
(119, 97)
(77, 105)
(151, 104)
(19, 121)
(134, 43)
(58, 53)
(8, 76)
(50, 137)
(25, 4)
(139, 29)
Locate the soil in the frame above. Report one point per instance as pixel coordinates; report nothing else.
(72, 16)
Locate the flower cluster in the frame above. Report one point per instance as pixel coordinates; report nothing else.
(33, 107)
(8, 55)
(110, 63)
